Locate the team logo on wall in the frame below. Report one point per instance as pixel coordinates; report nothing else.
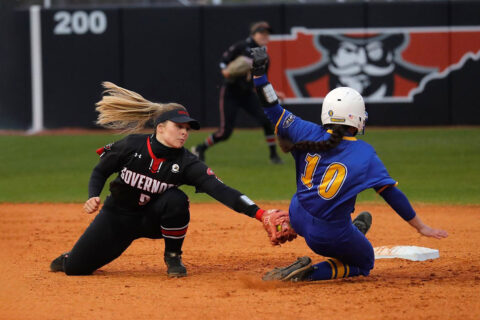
(384, 65)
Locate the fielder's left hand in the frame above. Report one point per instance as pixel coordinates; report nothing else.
(277, 225)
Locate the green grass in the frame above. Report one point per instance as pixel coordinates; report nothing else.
(434, 165)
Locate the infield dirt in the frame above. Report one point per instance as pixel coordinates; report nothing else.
(226, 254)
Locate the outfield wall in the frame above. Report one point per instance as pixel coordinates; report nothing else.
(15, 87)
(420, 70)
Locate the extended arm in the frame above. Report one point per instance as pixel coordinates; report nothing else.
(287, 125)
(399, 202)
(230, 197)
(275, 222)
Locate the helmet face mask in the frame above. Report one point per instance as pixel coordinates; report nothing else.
(345, 106)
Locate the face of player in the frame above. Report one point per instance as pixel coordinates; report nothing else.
(261, 38)
(173, 135)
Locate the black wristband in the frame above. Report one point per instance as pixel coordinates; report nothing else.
(266, 94)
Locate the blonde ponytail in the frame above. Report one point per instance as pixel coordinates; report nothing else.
(128, 111)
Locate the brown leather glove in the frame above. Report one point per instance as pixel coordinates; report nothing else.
(239, 67)
(277, 225)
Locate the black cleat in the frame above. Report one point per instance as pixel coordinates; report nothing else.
(297, 271)
(58, 263)
(363, 222)
(275, 159)
(175, 267)
(199, 151)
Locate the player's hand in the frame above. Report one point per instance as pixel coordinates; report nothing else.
(277, 225)
(285, 231)
(91, 205)
(433, 233)
(260, 60)
(225, 73)
(425, 230)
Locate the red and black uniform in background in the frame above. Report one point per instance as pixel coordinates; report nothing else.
(145, 201)
(238, 93)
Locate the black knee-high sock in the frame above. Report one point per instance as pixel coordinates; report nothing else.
(174, 221)
(208, 142)
(174, 232)
(273, 151)
(173, 245)
(272, 146)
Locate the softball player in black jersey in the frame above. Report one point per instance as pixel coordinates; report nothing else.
(237, 92)
(144, 198)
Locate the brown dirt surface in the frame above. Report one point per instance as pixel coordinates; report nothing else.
(226, 254)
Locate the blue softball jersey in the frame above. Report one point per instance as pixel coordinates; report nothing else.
(328, 182)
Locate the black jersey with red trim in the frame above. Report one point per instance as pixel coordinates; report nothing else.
(240, 48)
(146, 168)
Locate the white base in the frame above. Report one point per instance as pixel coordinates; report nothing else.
(412, 253)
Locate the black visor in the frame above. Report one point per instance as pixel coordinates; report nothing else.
(178, 116)
(261, 26)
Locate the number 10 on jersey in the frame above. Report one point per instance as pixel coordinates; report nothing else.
(332, 179)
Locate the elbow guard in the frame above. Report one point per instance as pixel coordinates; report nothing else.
(245, 205)
(267, 95)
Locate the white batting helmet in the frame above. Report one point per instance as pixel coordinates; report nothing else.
(344, 105)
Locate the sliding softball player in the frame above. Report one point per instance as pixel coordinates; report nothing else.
(332, 167)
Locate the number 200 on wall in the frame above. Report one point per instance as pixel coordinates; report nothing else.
(79, 22)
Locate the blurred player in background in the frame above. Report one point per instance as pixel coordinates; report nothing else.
(237, 92)
(332, 168)
(144, 200)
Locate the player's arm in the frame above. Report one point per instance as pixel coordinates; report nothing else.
(275, 222)
(385, 186)
(110, 158)
(197, 174)
(287, 125)
(399, 202)
(95, 186)
(228, 56)
(265, 92)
